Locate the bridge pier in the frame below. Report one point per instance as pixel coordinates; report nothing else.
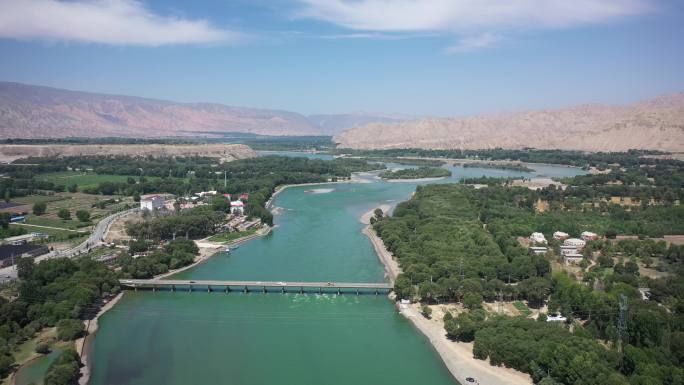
(320, 290)
(264, 289)
(190, 289)
(173, 288)
(226, 289)
(154, 288)
(208, 288)
(283, 288)
(301, 290)
(339, 291)
(357, 291)
(246, 289)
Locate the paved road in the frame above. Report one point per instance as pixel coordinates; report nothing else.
(96, 238)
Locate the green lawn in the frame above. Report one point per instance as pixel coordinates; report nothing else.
(522, 308)
(229, 237)
(82, 179)
(72, 224)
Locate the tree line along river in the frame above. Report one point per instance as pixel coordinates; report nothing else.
(255, 338)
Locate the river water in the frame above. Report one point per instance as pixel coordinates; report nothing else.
(252, 339)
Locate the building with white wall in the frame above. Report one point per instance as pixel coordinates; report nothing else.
(151, 202)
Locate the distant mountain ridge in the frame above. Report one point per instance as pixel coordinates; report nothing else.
(332, 124)
(28, 111)
(656, 124)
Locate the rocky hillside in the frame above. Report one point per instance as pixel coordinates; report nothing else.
(654, 124)
(41, 112)
(225, 152)
(333, 124)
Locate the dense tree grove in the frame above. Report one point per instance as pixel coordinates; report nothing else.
(175, 254)
(65, 369)
(416, 173)
(458, 243)
(446, 251)
(50, 292)
(575, 158)
(192, 223)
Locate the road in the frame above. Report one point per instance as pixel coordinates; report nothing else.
(95, 239)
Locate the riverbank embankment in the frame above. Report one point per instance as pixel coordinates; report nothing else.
(457, 356)
(83, 343)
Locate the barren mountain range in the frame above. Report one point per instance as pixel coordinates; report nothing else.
(28, 111)
(653, 124)
(41, 112)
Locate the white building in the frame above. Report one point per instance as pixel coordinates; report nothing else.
(538, 238)
(555, 318)
(573, 258)
(559, 235)
(539, 249)
(237, 207)
(565, 250)
(577, 243)
(588, 236)
(205, 193)
(151, 202)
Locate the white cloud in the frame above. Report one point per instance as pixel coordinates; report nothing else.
(477, 21)
(113, 22)
(473, 43)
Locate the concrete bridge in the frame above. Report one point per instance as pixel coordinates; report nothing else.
(247, 286)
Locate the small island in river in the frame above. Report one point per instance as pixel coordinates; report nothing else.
(501, 166)
(416, 173)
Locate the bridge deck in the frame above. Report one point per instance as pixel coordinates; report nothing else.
(279, 284)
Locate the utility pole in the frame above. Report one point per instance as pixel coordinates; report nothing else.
(500, 302)
(225, 179)
(622, 321)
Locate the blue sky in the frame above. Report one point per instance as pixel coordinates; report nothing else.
(427, 57)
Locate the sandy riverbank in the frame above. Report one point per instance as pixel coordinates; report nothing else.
(457, 356)
(83, 343)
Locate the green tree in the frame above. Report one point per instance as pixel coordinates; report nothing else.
(25, 267)
(72, 188)
(472, 301)
(64, 214)
(69, 329)
(64, 370)
(42, 348)
(426, 310)
(39, 208)
(83, 215)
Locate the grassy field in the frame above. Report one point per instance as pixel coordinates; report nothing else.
(522, 308)
(82, 179)
(229, 237)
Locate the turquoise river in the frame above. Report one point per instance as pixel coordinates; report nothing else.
(253, 339)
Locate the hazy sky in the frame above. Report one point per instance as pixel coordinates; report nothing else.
(421, 57)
